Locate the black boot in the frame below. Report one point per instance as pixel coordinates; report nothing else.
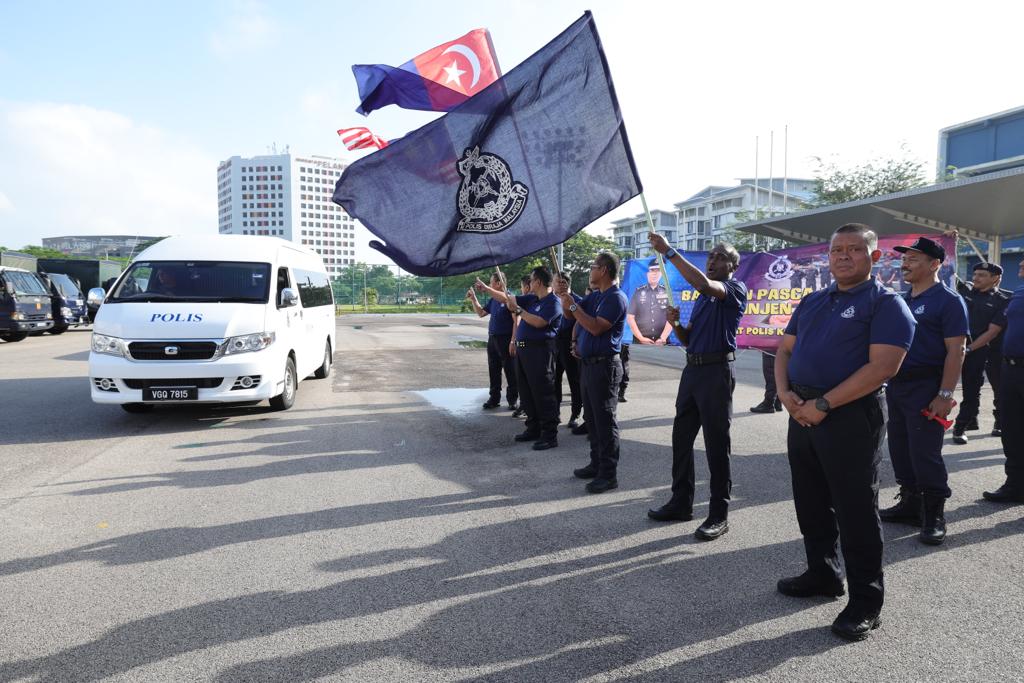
(959, 437)
(933, 528)
(765, 406)
(907, 509)
(778, 405)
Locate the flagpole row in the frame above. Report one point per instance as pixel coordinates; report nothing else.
(554, 260)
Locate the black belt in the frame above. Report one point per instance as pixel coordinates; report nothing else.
(710, 358)
(534, 342)
(806, 393)
(916, 373)
(594, 360)
(1014, 361)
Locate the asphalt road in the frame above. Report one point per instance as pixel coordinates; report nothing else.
(386, 528)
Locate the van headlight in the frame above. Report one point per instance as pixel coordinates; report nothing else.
(17, 316)
(248, 342)
(112, 346)
(65, 312)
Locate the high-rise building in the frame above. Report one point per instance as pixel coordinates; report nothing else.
(289, 196)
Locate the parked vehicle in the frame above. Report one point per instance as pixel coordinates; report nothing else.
(215, 319)
(68, 305)
(90, 274)
(25, 304)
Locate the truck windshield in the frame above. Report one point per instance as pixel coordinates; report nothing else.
(223, 281)
(24, 283)
(65, 285)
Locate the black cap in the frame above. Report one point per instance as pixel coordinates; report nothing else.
(926, 247)
(990, 267)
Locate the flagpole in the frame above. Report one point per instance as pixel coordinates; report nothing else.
(661, 261)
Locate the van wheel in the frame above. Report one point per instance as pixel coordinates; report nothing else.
(136, 407)
(58, 330)
(324, 370)
(286, 399)
(13, 336)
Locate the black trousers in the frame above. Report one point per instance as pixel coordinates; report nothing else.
(768, 370)
(704, 401)
(536, 368)
(567, 364)
(624, 358)
(915, 442)
(977, 364)
(1011, 401)
(600, 384)
(498, 360)
(834, 467)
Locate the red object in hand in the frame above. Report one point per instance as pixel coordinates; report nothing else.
(946, 424)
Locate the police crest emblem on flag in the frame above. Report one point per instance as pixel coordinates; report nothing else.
(489, 199)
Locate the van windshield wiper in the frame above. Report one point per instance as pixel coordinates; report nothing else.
(143, 298)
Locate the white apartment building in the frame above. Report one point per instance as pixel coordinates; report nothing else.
(706, 215)
(630, 234)
(289, 196)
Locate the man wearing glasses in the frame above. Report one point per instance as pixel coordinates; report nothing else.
(600, 319)
(540, 313)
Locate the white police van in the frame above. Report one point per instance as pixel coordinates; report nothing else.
(212, 319)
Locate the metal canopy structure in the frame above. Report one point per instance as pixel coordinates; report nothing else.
(988, 207)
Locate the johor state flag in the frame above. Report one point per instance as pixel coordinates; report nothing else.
(523, 165)
(437, 80)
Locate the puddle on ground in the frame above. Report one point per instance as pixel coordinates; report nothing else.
(473, 343)
(357, 327)
(458, 402)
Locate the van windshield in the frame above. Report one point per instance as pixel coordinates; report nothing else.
(65, 285)
(213, 281)
(24, 283)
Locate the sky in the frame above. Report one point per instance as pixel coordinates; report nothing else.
(114, 115)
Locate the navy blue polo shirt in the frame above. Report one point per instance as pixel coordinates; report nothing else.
(940, 312)
(611, 304)
(715, 321)
(549, 308)
(565, 327)
(501, 319)
(834, 331)
(1011, 319)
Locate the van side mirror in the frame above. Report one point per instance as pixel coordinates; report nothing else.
(96, 296)
(289, 298)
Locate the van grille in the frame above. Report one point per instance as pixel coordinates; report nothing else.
(158, 350)
(201, 382)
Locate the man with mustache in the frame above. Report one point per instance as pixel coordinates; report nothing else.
(704, 399)
(841, 345)
(926, 380)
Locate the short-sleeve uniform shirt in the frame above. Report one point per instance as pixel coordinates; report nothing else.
(648, 308)
(715, 321)
(940, 313)
(611, 305)
(501, 320)
(835, 329)
(548, 307)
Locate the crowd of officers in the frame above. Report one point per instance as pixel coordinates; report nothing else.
(857, 361)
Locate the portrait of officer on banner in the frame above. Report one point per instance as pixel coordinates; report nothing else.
(646, 314)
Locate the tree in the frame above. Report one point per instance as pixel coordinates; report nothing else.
(42, 252)
(371, 296)
(834, 185)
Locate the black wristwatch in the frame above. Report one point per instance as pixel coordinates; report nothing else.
(572, 308)
(822, 404)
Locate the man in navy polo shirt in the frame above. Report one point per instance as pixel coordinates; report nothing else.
(499, 339)
(984, 301)
(540, 313)
(1011, 398)
(600, 319)
(704, 400)
(926, 381)
(566, 364)
(841, 345)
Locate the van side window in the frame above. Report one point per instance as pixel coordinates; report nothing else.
(282, 283)
(314, 289)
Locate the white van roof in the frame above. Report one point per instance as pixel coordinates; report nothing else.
(251, 248)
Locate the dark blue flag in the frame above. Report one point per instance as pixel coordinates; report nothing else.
(523, 165)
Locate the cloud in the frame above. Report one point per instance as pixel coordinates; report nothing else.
(73, 169)
(247, 28)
